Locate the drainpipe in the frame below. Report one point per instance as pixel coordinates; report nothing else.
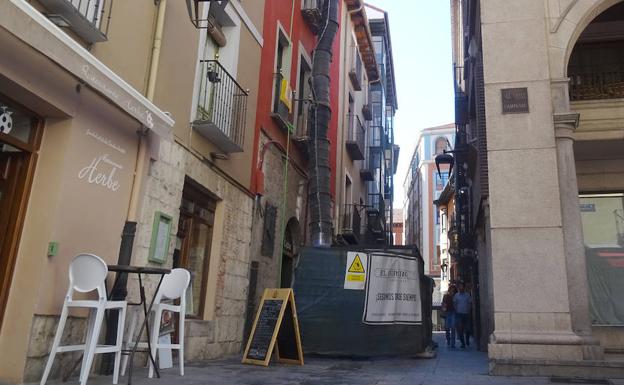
(320, 174)
(120, 291)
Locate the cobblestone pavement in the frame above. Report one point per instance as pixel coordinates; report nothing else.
(450, 367)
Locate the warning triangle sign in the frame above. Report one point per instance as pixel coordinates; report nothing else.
(356, 265)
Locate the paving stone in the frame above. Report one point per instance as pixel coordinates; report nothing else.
(450, 367)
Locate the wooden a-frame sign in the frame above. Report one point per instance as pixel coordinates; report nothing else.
(275, 327)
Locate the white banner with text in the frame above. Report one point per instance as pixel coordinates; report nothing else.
(392, 290)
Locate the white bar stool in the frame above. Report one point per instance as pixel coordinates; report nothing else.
(173, 287)
(87, 272)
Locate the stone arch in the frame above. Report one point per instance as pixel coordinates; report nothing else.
(292, 236)
(577, 19)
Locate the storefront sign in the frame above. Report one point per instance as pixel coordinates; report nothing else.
(101, 172)
(6, 122)
(515, 100)
(161, 231)
(111, 90)
(392, 290)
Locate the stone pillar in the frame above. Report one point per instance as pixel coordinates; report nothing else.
(565, 124)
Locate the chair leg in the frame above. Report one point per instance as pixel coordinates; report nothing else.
(90, 326)
(129, 341)
(154, 339)
(120, 331)
(181, 342)
(55, 344)
(92, 344)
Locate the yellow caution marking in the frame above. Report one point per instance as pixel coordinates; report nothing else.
(356, 277)
(356, 265)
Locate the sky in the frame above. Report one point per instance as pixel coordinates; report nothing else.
(421, 46)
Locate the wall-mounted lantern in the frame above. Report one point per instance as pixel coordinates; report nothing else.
(198, 16)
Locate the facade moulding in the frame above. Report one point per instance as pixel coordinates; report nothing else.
(364, 38)
(248, 23)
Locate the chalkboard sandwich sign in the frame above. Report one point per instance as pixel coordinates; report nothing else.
(275, 327)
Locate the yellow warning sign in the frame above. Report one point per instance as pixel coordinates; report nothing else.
(356, 265)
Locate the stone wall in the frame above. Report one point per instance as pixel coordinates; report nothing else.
(296, 203)
(221, 333)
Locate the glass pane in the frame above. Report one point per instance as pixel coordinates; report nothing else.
(198, 255)
(15, 123)
(603, 232)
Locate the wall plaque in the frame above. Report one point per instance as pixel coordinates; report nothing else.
(515, 100)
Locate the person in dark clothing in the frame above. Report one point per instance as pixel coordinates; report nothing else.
(462, 303)
(448, 310)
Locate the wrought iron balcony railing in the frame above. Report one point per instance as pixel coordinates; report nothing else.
(312, 14)
(221, 108)
(89, 19)
(596, 85)
(351, 226)
(356, 137)
(355, 74)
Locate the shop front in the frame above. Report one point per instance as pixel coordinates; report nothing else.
(69, 138)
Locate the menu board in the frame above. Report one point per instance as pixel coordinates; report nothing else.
(275, 327)
(264, 330)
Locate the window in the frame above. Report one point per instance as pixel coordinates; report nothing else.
(303, 94)
(282, 98)
(194, 242)
(441, 145)
(602, 216)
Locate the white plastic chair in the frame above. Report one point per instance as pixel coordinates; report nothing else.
(173, 287)
(87, 272)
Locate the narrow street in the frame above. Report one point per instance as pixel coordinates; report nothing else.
(450, 367)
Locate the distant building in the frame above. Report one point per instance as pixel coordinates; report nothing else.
(398, 226)
(423, 185)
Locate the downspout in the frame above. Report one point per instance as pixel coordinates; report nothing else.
(320, 174)
(127, 239)
(120, 291)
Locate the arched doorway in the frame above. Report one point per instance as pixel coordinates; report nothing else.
(596, 92)
(290, 252)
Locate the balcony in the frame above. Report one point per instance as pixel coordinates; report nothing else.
(89, 19)
(311, 12)
(367, 112)
(375, 213)
(281, 111)
(597, 84)
(356, 138)
(350, 228)
(370, 164)
(221, 108)
(355, 74)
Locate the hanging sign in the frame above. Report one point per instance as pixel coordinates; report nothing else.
(355, 271)
(275, 327)
(392, 290)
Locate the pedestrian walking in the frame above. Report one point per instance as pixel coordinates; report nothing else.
(448, 309)
(462, 303)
